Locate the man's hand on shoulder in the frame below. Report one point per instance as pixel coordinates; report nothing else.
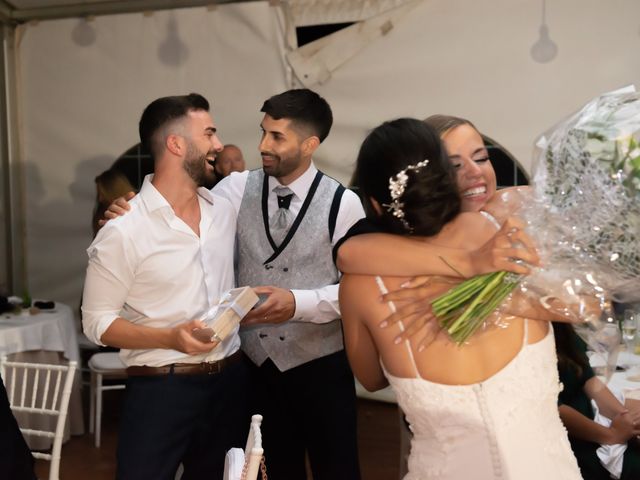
(119, 207)
(279, 306)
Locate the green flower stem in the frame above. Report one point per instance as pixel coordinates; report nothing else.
(478, 318)
(459, 295)
(464, 308)
(492, 282)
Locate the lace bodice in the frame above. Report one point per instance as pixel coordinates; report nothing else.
(506, 427)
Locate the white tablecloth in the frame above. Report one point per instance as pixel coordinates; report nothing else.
(47, 337)
(626, 382)
(620, 383)
(52, 330)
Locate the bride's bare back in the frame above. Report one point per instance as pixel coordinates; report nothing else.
(488, 351)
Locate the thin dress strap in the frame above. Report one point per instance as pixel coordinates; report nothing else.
(383, 289)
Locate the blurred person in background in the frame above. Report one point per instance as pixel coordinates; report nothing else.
(110, 185)
(581, 390)
(229, 160)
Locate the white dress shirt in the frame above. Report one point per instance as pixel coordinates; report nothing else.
(319, 305)
(150, 268)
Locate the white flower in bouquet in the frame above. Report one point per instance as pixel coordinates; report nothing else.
(587, 196)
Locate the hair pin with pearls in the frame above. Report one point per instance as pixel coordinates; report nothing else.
(397, 186)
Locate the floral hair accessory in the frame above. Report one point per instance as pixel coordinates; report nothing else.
(397, 186)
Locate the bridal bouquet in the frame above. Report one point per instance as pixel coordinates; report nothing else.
(584, 215)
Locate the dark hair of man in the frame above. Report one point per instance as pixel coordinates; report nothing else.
(431, 197)
(161, 112)
(443, 123)
(308, 112)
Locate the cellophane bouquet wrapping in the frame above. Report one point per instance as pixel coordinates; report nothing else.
(583, 212)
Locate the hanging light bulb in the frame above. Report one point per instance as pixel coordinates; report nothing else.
(545, 49)
(173, 51)
(83, 34)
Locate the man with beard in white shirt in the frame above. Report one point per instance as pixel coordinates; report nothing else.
(152, 275)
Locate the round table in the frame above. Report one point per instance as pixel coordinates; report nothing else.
(49, 336)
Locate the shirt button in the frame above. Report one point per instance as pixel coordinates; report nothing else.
(285, 269)
(262, 335)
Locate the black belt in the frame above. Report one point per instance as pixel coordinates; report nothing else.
(204, 368)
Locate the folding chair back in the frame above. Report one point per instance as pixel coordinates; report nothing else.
(42, 389)
(103, 365)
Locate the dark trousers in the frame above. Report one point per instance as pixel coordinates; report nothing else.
(310, 408)
(188, 419)
(16, 461)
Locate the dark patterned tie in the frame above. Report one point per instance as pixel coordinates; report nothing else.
(280, 221)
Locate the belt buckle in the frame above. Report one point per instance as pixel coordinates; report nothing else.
(212, 368)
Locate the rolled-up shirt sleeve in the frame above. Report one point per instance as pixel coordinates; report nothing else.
(317, 306)
(109, 276)
(321, 305)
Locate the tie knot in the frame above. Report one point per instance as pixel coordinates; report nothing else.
(284, 196)
(284, 200)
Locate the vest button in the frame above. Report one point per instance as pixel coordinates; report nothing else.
(262, 335)
(282, 338)
(285, 269)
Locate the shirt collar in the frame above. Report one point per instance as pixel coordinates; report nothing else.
(300, 186)
(154, 200)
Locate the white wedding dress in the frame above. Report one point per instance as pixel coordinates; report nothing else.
(506, 427)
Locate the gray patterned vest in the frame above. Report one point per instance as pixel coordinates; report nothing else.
(302, 261)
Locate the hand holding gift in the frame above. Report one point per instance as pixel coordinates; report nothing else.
(278, 305)
(225, 317)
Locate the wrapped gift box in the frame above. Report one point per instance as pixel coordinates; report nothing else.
(225, 317)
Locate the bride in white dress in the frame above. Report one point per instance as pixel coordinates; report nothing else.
(488, 409)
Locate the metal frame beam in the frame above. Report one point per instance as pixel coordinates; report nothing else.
(12, 181)
(5, 12)
(9, 14)
(6, 241)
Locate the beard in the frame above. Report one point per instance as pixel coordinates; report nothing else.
(281, 166)
(195, 164)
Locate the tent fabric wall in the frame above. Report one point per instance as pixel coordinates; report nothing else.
(472, 59)
(80, 105)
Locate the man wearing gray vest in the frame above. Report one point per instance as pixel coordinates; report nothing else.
(289, 216)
